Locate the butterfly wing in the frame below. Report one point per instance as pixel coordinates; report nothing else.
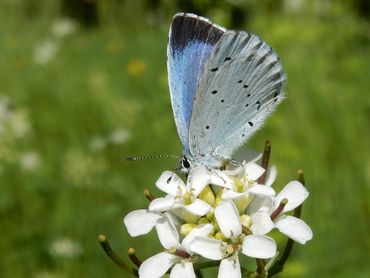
(242, 83)
(191, 40)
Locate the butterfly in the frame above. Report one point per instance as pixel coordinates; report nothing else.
(223, 85)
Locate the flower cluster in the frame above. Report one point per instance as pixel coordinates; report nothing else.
(217, 215)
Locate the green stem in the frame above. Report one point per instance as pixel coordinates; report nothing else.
(114, 256)
(261, 267)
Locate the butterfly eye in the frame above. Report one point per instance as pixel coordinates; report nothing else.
(185, 163)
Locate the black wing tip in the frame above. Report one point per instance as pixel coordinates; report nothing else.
(187, 27)
(193, 17)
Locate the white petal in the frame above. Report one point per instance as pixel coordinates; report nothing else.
(235, 171)
(173, 219)
(248, 155)
(140, 222)
(198, 179)
(262, 190)
(241, 200)
(198, 207)
(231, 194)
(157, 265)
(271, 175)
(162, 204)
(170, 183)
(294, 228)
(200, 231)
(167, 233)
(260, 203)
(295, 192)
(221, 179)
(259, 246)
(230, 268)
(262, 223)
(253, 171)
(207, 247)
(227, 217)
(183, 270)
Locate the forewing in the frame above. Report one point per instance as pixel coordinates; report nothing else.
(191, 40)
(242, 83)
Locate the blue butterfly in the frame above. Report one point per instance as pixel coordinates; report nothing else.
(223, 85)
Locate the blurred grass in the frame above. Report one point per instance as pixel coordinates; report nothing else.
(114, 78)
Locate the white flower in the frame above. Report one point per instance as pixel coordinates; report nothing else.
(217, 214)
(119, 136)
(65, 248)
(30, 160)
(246, 186)
(140, 222)
(177, 254)
(45, 52)
(183, 197)
(262, 212)
(63, 27)
(97, 143)
(255, 246)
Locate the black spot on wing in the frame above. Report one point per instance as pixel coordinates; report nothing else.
(214, 69)
(214, 92)
(207, 127)
(227, 59)
(250, 124)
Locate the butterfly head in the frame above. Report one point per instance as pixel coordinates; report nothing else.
(185, 164)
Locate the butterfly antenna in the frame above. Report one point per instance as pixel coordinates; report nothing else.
(135, 158)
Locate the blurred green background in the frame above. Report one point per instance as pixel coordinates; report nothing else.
(83, 83)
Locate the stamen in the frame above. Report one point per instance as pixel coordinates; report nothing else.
(133, 257)
(298, 210)
(148, 195)
(265, 161)
(230, 249)
(246, 231)
(179, 253)
(279, 209)
(186, 229)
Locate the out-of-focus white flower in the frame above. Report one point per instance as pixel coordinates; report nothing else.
(46, 274)
(119, 136)
(97, 143)
(45, 51)
(79, 167)
(294, 6)
(18, 122)
(63, 27)
(5, 104)
(65, 248)
(30, 160)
